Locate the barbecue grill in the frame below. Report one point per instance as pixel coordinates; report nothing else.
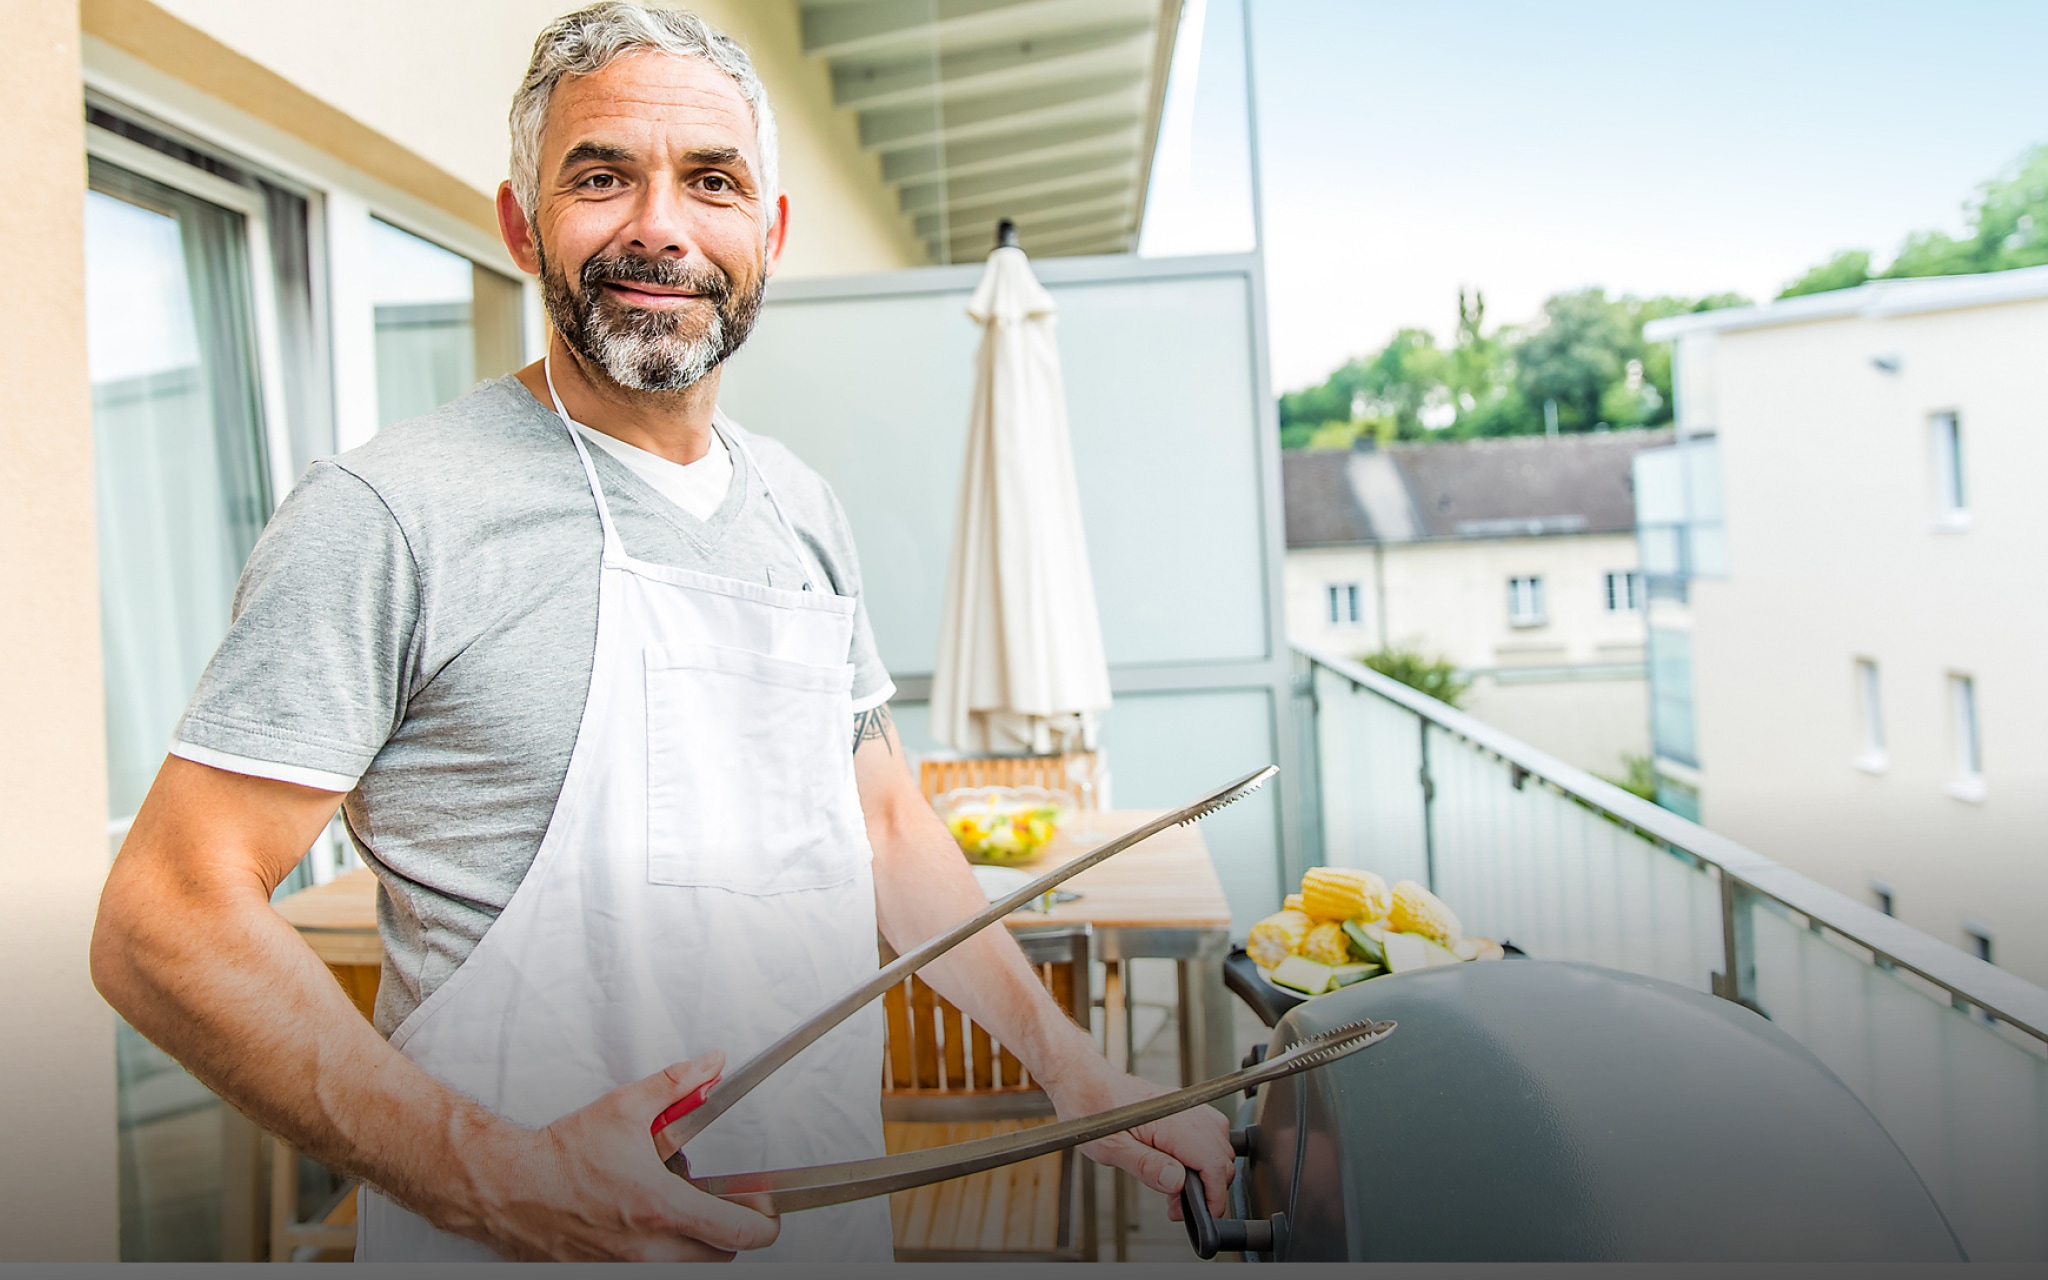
(1541, 1110)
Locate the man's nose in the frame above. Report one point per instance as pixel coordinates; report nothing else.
(660, 226)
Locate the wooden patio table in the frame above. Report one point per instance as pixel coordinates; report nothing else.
(1160, 900)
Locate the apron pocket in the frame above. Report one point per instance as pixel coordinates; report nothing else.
(750, 772)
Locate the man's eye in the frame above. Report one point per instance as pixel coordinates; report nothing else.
(717, 183)
(601, 181)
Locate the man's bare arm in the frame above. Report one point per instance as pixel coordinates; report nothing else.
(922, 886)
(188, 949)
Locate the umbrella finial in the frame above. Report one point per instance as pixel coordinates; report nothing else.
(1006, 234)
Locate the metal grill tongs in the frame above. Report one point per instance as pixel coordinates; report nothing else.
(813, 1187)
(693, 1114)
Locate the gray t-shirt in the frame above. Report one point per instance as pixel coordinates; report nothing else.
(416, 627)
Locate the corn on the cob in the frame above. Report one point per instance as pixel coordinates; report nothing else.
(1417, 910)
(1292, 902)
(1326, 944)
(1341, 893)
(1276, 937)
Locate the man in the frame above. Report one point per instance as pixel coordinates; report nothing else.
(580, 660)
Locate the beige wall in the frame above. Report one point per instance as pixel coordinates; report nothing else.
(432, 83)
(1828, 472)
(1450, 599)
(57, 1163)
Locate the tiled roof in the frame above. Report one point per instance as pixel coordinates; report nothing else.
(1322, 507)
(1514, 486)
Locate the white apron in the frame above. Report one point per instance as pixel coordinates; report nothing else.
(705, 883)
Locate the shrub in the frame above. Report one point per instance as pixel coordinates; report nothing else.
(1437, 677)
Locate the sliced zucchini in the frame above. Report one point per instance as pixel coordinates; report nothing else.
(1346, 974)
(1304, 975)
(1405, 952)
(1364, 943)
(1438, 954)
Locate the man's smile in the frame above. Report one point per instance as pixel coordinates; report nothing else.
(653, 296)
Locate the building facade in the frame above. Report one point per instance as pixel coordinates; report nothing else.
(1844, 557)
(1514, 559)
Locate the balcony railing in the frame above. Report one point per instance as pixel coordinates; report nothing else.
(1950, 1053)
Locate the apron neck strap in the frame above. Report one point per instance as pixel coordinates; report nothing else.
(614, 548)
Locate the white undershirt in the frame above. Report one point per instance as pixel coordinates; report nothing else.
(698, 488)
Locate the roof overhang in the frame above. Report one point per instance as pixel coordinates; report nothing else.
(1042, 111)
(1877, 300)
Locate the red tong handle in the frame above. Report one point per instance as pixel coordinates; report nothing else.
(682, 1106)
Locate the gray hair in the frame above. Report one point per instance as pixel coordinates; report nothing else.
(589, 40)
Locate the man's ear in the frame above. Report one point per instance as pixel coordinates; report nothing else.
(517, 231)
(779, 234)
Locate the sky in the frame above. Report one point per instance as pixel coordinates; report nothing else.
(1523, 149)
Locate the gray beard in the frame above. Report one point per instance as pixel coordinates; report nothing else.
(646, 350)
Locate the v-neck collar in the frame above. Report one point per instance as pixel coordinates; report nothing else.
(705, 534)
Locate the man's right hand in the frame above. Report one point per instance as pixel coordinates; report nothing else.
(592, 1186)
(189, 950)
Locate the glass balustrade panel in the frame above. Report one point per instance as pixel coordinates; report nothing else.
(1965, 1099)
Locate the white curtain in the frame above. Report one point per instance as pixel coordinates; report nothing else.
(179, 463)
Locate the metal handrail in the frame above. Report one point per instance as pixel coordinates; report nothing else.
(2004, 995)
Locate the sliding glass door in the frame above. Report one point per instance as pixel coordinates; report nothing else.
(180, 471)
(179, 450)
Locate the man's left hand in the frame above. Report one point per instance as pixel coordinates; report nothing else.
(1155, 1153)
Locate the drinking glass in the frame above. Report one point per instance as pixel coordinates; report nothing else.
(1087, 773)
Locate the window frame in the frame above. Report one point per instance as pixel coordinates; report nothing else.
(1630, 599)
(1966, 730)
(1872, 755)
(341, 199)
(126, 153)
(1353, 613)
(1951, 491)
(1538, 612)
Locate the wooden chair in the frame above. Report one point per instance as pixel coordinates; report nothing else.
(946, 1080)
(937, 775)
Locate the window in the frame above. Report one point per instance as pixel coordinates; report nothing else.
(1343, 601)
(1870, 756)
(1625, 592)
(1678, 797)
(1950, 509)
(442, 323)
(1679, 526)
(1671, 718)
(1525, 602)
(1979, 935)
(189, 321)
(181, 464)
(1881, 891)
(1962, 700)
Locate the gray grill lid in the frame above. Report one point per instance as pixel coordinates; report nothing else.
(1536, 1110)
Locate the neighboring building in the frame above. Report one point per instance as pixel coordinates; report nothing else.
(1847, 596)
(1515, 559)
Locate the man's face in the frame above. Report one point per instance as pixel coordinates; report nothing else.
(651, 236)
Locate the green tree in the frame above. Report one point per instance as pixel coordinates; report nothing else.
(1576, 350)
(1586, 351)
(2008, 228)
(1845, 270)
(1406, 377)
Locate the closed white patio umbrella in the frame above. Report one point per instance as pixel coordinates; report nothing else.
(1020, 666)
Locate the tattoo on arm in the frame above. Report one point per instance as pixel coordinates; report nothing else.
(872, 724)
